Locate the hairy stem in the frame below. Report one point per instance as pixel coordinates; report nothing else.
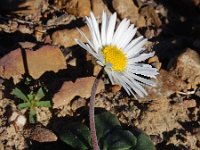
(91, 111)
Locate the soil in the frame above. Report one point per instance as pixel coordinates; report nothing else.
(29, 29)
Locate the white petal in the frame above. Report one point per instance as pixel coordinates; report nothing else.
(86, 47)
(145, 81)
(140, 79)
(133, 43)
(93, 36)
(135, 85)
(130, 85)
(123, 84)
(96, 27)
(126, 36)
(122, 34)
(120, 31)
(136, 49)
(141, 57)
(130, 35)
(88, 41)
(103, 28)
(145, 71)
(111, 28)
(119, 28)
(109, 73)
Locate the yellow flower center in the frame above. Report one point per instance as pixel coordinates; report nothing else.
(115, 57)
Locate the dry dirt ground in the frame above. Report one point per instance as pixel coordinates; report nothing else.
(37, 40)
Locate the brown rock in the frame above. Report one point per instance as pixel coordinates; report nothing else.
(187, 67)
(196, 2)
(81, 87)
(78, 103)
(150, 14)
(189, 103)
(61, 20)
(126, 9)
(29, 8)
(161, 117)
(167, 84)
(141, 22)
(27, 45)
(40, 134)
(66, 37)
(46, 58)
(98, 7)
(97, 69)
(115, 88)
(78, 8)
(155, 62)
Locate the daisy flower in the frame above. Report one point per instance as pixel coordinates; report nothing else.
(121, 56)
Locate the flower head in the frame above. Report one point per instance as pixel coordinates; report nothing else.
(122, 56)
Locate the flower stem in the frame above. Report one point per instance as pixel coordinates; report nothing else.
(91, 111)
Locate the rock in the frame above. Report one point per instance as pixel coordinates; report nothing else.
(154, 61)
(97, 69)
(29, 8)
(72, 62)
(187, 68)
(196, 2)
(81, 87)
(141, 22)
(61, 20)
(78, 103)
(18, 119)
(43, 115)
(66, 37)
(161, 117)
(189, 103)
(126, 9)
(167, 84)
(78, 8)
(46, 58)
(40, 134)
(150, 14)
(27, 45)
(98, 7)
(115, 88)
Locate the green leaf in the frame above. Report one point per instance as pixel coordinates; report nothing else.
(32, 116)
(104, 122)
(144, 142)
(43, 104)
(30, 96)
(119, 139)
(23, 105)
(19, 94)
(76, 135)
(40, 94)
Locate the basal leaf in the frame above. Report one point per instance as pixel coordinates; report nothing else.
(40, 94)
(23, 105)
(19, 94)
(32, 116)
(30, 96)
(77, 136)
(105, 121)
(119, 139)
(144, 142)
(43, 104)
